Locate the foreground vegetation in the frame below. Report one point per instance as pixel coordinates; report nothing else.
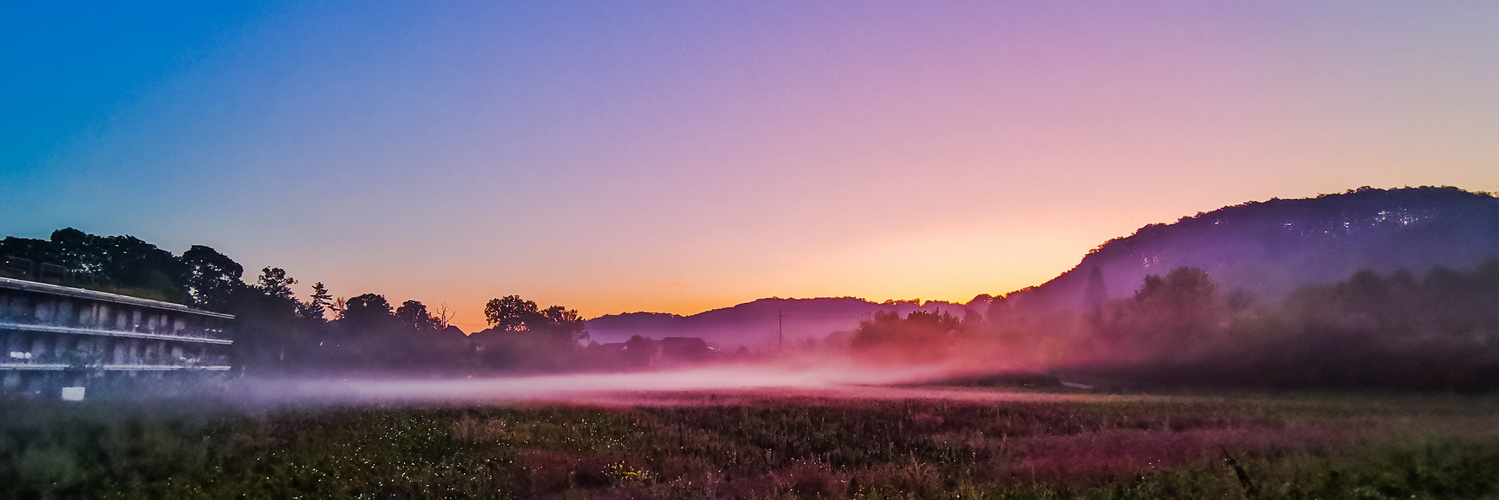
(749, 446)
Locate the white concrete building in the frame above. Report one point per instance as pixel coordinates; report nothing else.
(53, 336)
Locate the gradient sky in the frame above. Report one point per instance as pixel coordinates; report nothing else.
(682, 156)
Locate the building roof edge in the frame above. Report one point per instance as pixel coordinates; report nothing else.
(32, 286)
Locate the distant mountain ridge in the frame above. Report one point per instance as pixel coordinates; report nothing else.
(754, 324)
(1263, 248)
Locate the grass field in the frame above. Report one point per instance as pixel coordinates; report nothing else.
(915, 444)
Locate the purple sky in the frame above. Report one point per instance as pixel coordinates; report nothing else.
(623, 156)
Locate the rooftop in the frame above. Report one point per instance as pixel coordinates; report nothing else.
(32, 286)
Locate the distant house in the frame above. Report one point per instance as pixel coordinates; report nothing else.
(613, 355)
(54, 336)
(684, 350)
(641, 352)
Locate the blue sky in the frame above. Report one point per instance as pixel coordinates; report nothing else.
(678, 156)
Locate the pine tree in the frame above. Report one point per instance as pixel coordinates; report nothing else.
(316, 306)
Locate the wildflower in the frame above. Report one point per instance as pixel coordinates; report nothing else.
(621, 473)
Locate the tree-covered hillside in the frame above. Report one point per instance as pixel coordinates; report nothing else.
(1270, 248)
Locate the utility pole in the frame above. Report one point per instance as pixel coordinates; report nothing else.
(780, 335)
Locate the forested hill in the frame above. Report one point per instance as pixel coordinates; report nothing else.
(1270, 248)
(1264, 248)
(754, 324)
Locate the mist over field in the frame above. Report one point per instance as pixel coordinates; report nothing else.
(730, 378)
(667, 387)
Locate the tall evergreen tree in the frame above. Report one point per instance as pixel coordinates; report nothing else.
(316, 306)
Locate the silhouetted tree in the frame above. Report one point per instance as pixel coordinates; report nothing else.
(128, 265)
(27, 248)
(120, 264)
(997, 309)
(443, 316)
(514, 314)
(526, 337)
(366, 310)
(316, 306)
(273, 282)
(1183, 304)
(414, 315)
(564, 323)
(211, 277)
(338, 307)
(1167, 312)
(510, 313)
(920, 336)
(78, 252)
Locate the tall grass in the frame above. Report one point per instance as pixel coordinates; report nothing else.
(772, 447)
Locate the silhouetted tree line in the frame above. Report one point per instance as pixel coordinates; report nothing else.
(919, 337)
(1372, 331)
(524, 336)
(121, 264)
(276, 333)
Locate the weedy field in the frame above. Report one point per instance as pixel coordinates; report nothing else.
(761, 445)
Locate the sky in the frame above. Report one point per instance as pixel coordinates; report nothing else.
(684, 156)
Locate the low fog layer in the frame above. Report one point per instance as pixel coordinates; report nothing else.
(702, 385)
